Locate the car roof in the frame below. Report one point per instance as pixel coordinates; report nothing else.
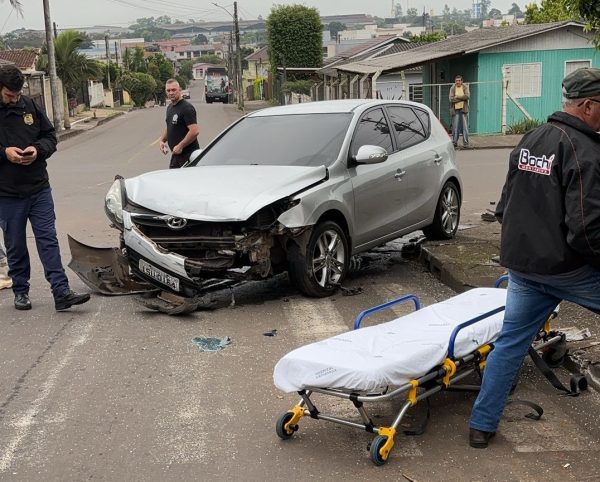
(327, 107)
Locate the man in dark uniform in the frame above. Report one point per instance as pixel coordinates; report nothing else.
(27, 140)
(182, 128)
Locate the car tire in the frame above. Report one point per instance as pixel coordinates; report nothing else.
(447, 214)
(324, 267)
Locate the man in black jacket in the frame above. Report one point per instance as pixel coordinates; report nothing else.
(27, 140)
(550, 215)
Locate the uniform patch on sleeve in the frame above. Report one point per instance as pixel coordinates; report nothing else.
(531, 163)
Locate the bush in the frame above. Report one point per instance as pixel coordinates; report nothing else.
(139, 85)
(523, 126)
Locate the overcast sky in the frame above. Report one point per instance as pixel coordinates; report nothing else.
(79, 13)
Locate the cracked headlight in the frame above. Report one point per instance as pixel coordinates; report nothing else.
(113, 203)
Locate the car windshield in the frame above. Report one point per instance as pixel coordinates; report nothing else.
(284, 140)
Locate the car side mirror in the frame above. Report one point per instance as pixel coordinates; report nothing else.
(193, 156)
(370, 155)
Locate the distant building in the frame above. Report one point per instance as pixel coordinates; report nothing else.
(24, 59)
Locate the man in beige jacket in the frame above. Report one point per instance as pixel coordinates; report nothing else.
(459, 109)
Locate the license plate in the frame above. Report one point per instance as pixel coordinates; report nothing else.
(159, 275)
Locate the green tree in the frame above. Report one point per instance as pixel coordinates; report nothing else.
(138, 60)
(186, 69)
(200, 39)
(495, 13)
(515, 10)
(485, 7)
(72, 67)
(161, 69)
(141, 86)
(549, 11)
(294, 37)
(210, 59)
(589, 11)
(335, 28)
(182, 81)
(151, 28)
(428, 37)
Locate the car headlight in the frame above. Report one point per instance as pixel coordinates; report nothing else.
(114, 202)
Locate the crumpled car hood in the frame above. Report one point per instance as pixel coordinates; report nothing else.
(219, 193)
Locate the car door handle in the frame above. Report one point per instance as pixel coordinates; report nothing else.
(399, 174)
(437, 159)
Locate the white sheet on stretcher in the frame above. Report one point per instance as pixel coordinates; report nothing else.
(390, 354)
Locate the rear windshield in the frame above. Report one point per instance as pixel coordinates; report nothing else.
(285, 140)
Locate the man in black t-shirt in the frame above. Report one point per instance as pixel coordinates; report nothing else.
(181, 132)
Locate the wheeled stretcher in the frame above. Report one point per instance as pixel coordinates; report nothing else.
(414, 356)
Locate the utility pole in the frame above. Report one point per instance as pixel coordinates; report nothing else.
(107, 60)
(239, 58)
(56, 119)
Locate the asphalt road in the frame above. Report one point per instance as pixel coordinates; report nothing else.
(111, 391)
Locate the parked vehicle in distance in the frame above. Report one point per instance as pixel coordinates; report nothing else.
(298, 188)
(216, 85)
(185, 94)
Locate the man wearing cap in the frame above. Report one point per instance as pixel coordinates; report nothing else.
(550, 241)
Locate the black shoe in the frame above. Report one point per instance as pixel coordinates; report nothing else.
(22, 302)
(479, 439)
(70, 298)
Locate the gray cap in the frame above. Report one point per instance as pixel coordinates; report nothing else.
(582, 83)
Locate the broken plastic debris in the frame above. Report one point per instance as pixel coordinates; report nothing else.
(574, 334)
(270, 333)
(211, 344)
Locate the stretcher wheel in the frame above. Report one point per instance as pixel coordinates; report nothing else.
(376, 445)
(282, 433)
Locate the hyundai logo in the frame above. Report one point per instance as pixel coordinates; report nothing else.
(176, 223)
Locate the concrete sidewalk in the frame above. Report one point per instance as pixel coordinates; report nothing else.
(87, 120)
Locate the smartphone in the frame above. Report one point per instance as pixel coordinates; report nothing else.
(28, 153)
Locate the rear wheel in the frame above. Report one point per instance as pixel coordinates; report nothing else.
(324, 267)
(447, 214)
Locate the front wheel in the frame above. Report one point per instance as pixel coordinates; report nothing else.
(447, 214)
(323, 267)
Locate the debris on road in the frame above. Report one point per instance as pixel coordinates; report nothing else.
(211, 344)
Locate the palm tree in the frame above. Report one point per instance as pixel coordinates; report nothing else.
(72, 67)
(16, 4)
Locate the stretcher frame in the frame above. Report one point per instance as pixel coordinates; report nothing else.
(443, 377)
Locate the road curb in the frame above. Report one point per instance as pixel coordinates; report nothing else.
(68, 134)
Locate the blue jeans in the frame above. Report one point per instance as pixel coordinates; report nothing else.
(528, 306)
(460, 123)
(39, 210)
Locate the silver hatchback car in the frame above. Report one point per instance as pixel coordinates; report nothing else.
(297, 188)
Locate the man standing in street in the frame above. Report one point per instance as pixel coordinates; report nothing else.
(550, 241)
(27, 140)
(181, 132)
(459, 109)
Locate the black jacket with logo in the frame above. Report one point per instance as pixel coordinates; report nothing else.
(550, 203)
(23, 125)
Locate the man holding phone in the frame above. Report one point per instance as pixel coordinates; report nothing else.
(27, 140)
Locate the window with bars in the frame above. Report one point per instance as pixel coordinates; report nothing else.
(524, 80)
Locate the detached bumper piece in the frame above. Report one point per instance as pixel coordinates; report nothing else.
(105, 270)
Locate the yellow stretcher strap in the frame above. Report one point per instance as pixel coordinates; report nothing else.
(450, 368)
(298, 412)
(388, 432)
(412, 393)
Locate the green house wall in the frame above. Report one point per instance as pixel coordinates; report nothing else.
(489, 95)
(484, 72)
